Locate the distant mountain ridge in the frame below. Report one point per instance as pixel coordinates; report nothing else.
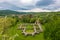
(8, 12)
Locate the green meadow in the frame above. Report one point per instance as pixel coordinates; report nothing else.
(10, 23)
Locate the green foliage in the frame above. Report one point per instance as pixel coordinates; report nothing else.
(7, 22)
(52, 28)
(49, 20)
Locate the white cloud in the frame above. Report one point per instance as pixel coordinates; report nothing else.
(55, 6)
(2, 1)
(0, 7)
(35, 10)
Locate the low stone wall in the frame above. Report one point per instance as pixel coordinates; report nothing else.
(23, 28)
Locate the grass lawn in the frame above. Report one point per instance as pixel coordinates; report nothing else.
(29, 31)
(13, 31)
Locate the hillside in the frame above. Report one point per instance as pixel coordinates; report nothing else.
(8, 12)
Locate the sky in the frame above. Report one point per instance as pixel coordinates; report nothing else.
(30, 5)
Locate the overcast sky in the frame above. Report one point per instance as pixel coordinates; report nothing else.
(30, 4)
